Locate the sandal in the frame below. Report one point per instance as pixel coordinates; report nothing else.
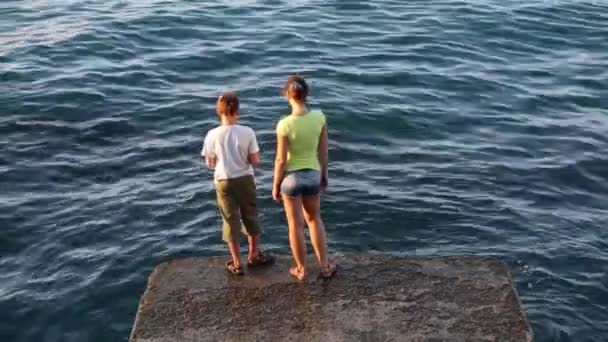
(329, 271)
(234, 270)
(294, 272)
(261, 258)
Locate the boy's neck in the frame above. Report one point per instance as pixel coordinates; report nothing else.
(229, 120)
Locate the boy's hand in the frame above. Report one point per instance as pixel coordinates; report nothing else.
(254, 159)
(210, 161)
(276, 193)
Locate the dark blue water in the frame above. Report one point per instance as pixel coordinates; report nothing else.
(456, 127)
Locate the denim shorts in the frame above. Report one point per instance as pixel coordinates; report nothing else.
(301, 182)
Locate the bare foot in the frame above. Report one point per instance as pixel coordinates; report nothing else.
(328, 271)
(296, 272)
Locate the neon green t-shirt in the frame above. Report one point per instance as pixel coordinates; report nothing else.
(302, 132)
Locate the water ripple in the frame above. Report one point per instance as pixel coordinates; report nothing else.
(456, 126)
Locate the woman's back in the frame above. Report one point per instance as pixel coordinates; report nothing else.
(300, 174)
(302, 132)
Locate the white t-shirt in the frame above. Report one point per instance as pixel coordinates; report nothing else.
(230, 145)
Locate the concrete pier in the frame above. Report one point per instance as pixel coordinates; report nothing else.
(369, 299)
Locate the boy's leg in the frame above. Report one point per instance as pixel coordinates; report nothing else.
(253, 246)
(235, 252)
(231, 218)
(249, 213)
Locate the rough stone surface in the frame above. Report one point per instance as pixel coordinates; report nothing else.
(370, 299)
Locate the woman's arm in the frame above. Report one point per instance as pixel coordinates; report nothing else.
(280, 163)
(323, 157)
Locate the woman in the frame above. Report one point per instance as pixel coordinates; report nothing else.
(300, 174)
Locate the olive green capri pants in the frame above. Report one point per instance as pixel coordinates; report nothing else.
(236, 201)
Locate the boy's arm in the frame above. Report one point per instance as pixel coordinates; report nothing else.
(208, 155)
(253, 153)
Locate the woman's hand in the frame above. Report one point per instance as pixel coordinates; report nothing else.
(276, 193)
(324, 182)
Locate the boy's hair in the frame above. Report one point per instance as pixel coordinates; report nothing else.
(296, 88)
(227, 104)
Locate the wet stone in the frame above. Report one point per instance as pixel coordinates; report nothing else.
(371, 298)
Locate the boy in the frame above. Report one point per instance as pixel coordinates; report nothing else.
(231, 150)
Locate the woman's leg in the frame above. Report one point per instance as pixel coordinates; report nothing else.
(312, 215)
(293, 211)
